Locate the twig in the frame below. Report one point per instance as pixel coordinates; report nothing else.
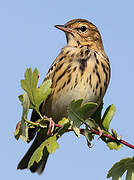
(94, 131)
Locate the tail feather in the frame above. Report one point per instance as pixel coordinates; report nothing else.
(36, 167)
(39, 168)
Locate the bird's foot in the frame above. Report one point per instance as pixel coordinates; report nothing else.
(100, 131)
(50, 126)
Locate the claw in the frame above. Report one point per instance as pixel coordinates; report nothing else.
(100, 131)
(51, 126)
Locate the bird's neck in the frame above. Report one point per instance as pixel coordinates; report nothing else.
(96, 46)
(74, 47)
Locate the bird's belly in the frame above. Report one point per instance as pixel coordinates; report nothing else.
(60, 104)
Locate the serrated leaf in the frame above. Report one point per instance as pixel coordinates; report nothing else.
(114, 145)
(24, 131)
(37, 155)
(107, 117)
(29, 84)
(31, 106)
(42, 123)
(61, 131)
(86, 109)
(97, 115)
(63, 121)
(42, 92)
(91, 123)
(78, 113)
(22, 128)
(26, 104)
(21, 98)
(51, 145)
(114, 133)
(66, 124)
(88, 136)
(130, 174)
(77, 131)
(119, 168)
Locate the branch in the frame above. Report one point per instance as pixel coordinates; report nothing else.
(93, 131)
(96, 132)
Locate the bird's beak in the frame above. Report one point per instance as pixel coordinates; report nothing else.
(63, 28)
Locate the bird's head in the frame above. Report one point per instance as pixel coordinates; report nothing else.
(82, 32)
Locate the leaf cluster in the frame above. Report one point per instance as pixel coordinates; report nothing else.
(119, 168)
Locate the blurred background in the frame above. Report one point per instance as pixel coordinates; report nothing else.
(28, 39)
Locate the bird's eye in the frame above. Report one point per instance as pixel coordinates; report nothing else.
(83, 28)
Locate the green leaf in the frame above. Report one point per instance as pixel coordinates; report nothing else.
(61, 131)
(42, 92)
(42, 123)
(29, 84)
(22, 128)
(107, 117)
(97, 115)
(130, 174)
(63, 121)
(51, 145)
(114, 145)
(114, 133)
(91, 123)
(37, 155)
(66, 125)
(78, 113)
(77, 131)
(121, 167)
(21, 98)
(89, 136)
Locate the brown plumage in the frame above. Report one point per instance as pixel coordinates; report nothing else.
(81, 71)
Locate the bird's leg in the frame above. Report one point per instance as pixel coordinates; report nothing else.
(100, 131)
(50, 126)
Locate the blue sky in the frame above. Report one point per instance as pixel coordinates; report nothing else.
(28, 39)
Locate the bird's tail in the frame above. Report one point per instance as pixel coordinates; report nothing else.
(36, 167)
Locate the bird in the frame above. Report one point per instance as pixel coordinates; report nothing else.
(80, 71)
